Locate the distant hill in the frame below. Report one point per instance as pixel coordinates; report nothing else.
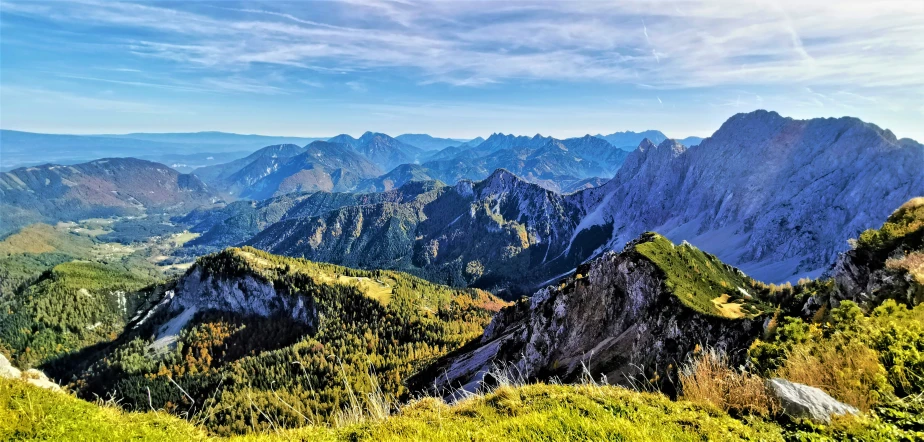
(106, 187)
(552, 163)
(690, 141)
(217, 138)
(179, 150)
(628, 140)
(285, 168)
(384, 151)
(427, 142)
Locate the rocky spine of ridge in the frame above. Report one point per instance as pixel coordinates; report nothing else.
(879, 269)
(615, 317)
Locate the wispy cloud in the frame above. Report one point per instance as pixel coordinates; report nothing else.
(705, 44)
(42, 96)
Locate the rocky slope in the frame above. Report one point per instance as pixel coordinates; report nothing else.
(775, 196)
(106, 187)
(887, 263)
(618, 315)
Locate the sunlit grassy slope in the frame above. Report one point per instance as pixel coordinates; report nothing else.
(528, 413)
(702, 281)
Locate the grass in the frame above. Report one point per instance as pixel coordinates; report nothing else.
(701, 281)
(29, 413)
(378, 288)
(708, 379)
(525, 413)
(43, 238)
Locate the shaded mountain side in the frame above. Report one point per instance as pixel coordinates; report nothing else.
(551, 163)
(397, 177)
(106, 187)
(777, 197)
(235, 176)
(486, 234)
(587, 183)
(239, 221)
(321, 166)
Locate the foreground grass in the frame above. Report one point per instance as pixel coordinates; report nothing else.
(528, 413)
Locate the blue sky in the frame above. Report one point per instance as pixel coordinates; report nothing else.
(459, 69)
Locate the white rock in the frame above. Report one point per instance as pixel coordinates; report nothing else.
(804, 402)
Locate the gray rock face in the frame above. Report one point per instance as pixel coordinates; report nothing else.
(804, 402)
(246, 295)
(615, 317)
(774, 196)
(31, 376)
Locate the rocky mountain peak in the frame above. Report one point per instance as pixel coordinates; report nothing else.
(618, 315)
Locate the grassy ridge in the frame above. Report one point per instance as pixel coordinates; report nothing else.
(702, 281)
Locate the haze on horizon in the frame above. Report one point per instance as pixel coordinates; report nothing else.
(455, 69)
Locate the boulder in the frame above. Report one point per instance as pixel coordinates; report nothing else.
(7, 370)
(803, 402)
(31, 376)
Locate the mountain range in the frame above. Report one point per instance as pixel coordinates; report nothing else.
(319, 287)
(182, 151)
(770, 203)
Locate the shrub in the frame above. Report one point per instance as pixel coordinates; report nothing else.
(708, 379)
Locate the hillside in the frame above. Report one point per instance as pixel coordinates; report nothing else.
(320, 166)
(234, 177)
(73, 306)
(237, 222)
(307, 328)
(646, 290)
(101, 188)
(491, 234)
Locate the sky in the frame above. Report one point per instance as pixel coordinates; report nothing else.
(456, 69)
